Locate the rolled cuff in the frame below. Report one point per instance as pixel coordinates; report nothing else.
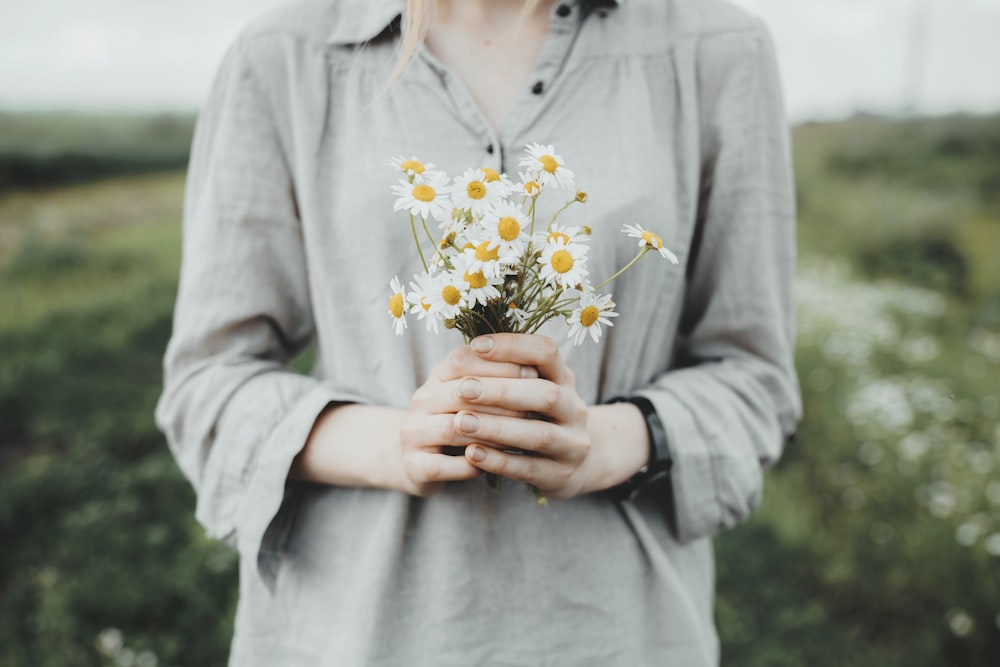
(265, 512)
(714, 485)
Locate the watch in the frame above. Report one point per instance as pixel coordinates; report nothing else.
(660, 459)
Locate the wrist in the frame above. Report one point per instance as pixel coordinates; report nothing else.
(659, 458)
(620, 445)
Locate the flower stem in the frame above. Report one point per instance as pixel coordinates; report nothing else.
(416, 241)
(625, 268)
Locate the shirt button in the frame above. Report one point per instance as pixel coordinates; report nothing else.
(538, 88)
(563, 11)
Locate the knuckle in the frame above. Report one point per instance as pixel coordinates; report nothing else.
(549, 347)
(431, 469)
(545, 439)
(501, 465)
(549, 397)
(458, 360)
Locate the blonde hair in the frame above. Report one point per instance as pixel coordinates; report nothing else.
(417, 21)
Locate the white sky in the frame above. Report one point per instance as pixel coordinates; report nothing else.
(836, 56)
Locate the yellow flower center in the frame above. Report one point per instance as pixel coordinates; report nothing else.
(561, 261)
(491, 175)
(589, 315)
(508, 228)
(469, 245)
(652, 240)
(412, 165)
(476, 280)
(531, 187)
(549, 163)
(476, 190)
(424, 192)
(581, 196)
(512, 305)
(451, 295)
(396, 305)
(425, 304)
(559, 237)
(484, 254)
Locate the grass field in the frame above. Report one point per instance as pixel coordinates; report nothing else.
(878, 542)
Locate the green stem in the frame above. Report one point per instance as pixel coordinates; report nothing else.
(428, 232)
(625, 268)
(416, 241)
(557, 213)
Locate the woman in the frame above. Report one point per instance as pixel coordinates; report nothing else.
(365, 539)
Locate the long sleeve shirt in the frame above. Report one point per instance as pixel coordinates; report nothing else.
(670, 114)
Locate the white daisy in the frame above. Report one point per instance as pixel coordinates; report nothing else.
(563, 235)
(485, 256)
(412, 167)
(591, 312)
(419, 297)
(448, 295)
(474, 192)
(530, 186)
(564, 264)
(650, 240)
(500, 181)
(505, 225)
(426, 198)
(397, 306)
(479, 287)
(542, 162)
(516, 316)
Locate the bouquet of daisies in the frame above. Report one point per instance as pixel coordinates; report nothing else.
(489, 266)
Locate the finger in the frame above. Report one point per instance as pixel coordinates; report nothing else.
(523, 396)
(528, 436)
(543, 473)
(464, 361)
(428, 468)
(530, 350)
(435, 398)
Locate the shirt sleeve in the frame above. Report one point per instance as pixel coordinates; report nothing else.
(733, 403)
(234, 414)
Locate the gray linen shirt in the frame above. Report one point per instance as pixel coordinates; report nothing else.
(670, 113)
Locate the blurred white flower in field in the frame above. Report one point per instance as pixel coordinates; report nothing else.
(968, 533)
(992, 544)
(959, 622)
(913, 446)
(919, 349)
(986, 343)
(993, 492)
(870, 453)
(109, 642)
(883, 401)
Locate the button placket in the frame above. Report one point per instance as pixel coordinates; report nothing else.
(470, 113)
(563, 26)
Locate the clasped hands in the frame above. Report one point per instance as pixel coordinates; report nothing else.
(510, 402)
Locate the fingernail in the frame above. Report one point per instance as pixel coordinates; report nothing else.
(477, 454)
(482, 344)
(529, 372)
(468, 423)
(469, 388)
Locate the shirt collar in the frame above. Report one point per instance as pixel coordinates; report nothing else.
(359, 21)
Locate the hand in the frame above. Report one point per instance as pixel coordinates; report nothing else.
(550, 451)
(429, 434)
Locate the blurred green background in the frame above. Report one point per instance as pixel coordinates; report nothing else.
(878, 542)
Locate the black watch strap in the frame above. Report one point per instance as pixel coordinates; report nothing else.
(660, 459)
